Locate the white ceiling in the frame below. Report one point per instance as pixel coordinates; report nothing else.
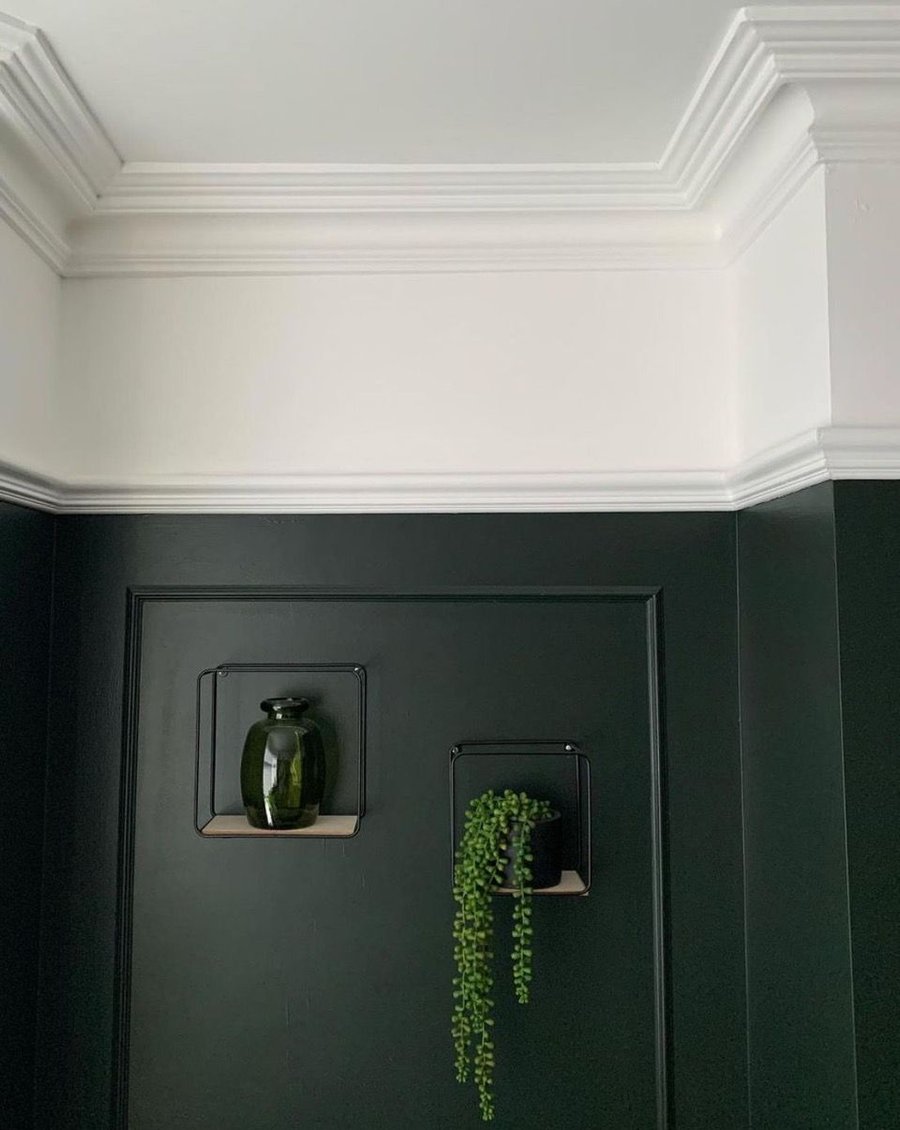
(468, 81)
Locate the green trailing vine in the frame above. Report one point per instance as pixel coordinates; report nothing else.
(493, 824)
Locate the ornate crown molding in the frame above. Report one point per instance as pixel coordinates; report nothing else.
(787, 89)
(43, 107)
(46, 117)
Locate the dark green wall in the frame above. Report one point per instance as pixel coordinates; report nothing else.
(691, 558)
(819, 598)
(800, 1015)
(868, 569)
(813, 785)
(26, 561)
(343, 948)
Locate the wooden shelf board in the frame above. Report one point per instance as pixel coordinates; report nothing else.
(238, 826)
(570, 884)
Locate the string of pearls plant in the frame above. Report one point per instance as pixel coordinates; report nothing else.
(494, 823)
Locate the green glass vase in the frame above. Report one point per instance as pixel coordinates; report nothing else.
(283, 766)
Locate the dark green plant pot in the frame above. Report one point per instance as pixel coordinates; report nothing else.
(546, 847)
(283, 767)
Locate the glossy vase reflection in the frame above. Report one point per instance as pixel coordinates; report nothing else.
(283, 766)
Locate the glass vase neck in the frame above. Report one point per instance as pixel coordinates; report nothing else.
(284, 707)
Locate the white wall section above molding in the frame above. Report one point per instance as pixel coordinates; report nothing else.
(724, 174)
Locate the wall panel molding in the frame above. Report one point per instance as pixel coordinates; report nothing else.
(139, 597)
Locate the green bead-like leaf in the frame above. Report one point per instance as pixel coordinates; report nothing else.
(495, 824)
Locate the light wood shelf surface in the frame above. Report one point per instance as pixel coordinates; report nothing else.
(571, 883)
(324, 826)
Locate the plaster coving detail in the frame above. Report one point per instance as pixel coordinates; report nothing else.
(41, 104)
(680, 211)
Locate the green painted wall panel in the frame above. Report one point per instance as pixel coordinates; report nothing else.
(26, 560)
(691, 558)
(800, 1019)
(819, 621)
(868, 560)
(342, 949)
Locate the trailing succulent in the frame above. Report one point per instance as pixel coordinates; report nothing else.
(494, 824)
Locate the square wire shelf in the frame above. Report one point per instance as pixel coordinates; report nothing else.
(208, 821)
(574, 881)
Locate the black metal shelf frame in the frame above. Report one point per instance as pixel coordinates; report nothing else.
(216, 674)
(534, 747)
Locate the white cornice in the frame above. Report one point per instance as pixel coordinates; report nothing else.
(819, 43)
(689, 209)
(292, 243)
(809, 458)
(43, 107)
(165, 188)
(762, 50)
(727, 103)
(41, 235)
